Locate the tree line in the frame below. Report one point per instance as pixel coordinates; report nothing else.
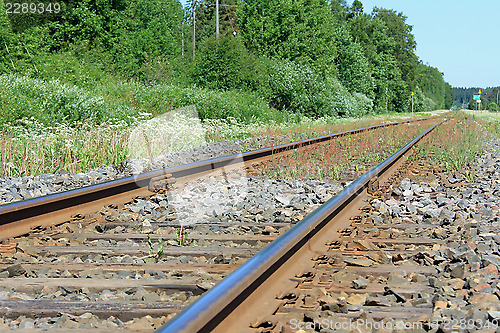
(489, 97)
(311, 57)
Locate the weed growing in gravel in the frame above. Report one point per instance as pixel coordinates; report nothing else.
(155, 251)
(181, 236)
(469, 176)
(416, 153)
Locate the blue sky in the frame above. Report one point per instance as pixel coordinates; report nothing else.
(459, 37)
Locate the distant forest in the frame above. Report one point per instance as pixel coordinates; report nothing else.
(464, 98)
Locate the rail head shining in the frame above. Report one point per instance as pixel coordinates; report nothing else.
(210, 309)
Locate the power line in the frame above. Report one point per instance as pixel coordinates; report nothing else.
(229, 16)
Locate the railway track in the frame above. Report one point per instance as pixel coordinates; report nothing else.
(21, 217)
(385, 254)
(282, 277)
(130, 259)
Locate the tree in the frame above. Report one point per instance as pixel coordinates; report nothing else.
(146, 31)
(301, 31)
(352, 67)
(356, 9)
(4, 21)
(449, 96)
(431, 81)
(472, 105)
(404, 44)
(205, 18)
(339, 10)
(387, 75)
(225, 64)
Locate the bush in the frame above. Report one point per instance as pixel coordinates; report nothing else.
(145, 32)
(420, 102)
(225, 64)
(293, 87)
(297, 88)
(492, 106)
(364, 104)
(53, 101)
(159, 99)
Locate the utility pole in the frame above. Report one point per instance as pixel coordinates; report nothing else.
(217, 19)
(194, 26)
(386, 99)
(412, 94)
(497, 99)
(479, 102)
(182, 31)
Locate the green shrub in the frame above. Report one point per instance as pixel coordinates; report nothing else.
(159, 99)
(293, 87)
(145, 32)
(420, 102)
(492, 106)
(364, 104)
(297, 88)
(52, 101)
(225, 64)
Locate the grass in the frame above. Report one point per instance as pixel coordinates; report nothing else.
(32, 148)
(155, 251)
(46, 126)
(454, 144)
(35, 149)
(49, 101)
(53, 101)
(489, 120)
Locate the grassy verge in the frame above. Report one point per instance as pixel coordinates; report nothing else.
(32, 148)
(35, 149)
(489, 120)
(454, 145)
(47, 126)
(54, 101)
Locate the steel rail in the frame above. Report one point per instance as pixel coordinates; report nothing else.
(21, 217)
(206, 313)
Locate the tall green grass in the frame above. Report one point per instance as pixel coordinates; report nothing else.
(456, 143)
(53, 101)
(210, 104)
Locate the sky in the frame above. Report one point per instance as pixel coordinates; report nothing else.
(459, 37)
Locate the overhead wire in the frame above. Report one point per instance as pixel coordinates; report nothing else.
(229, 17)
